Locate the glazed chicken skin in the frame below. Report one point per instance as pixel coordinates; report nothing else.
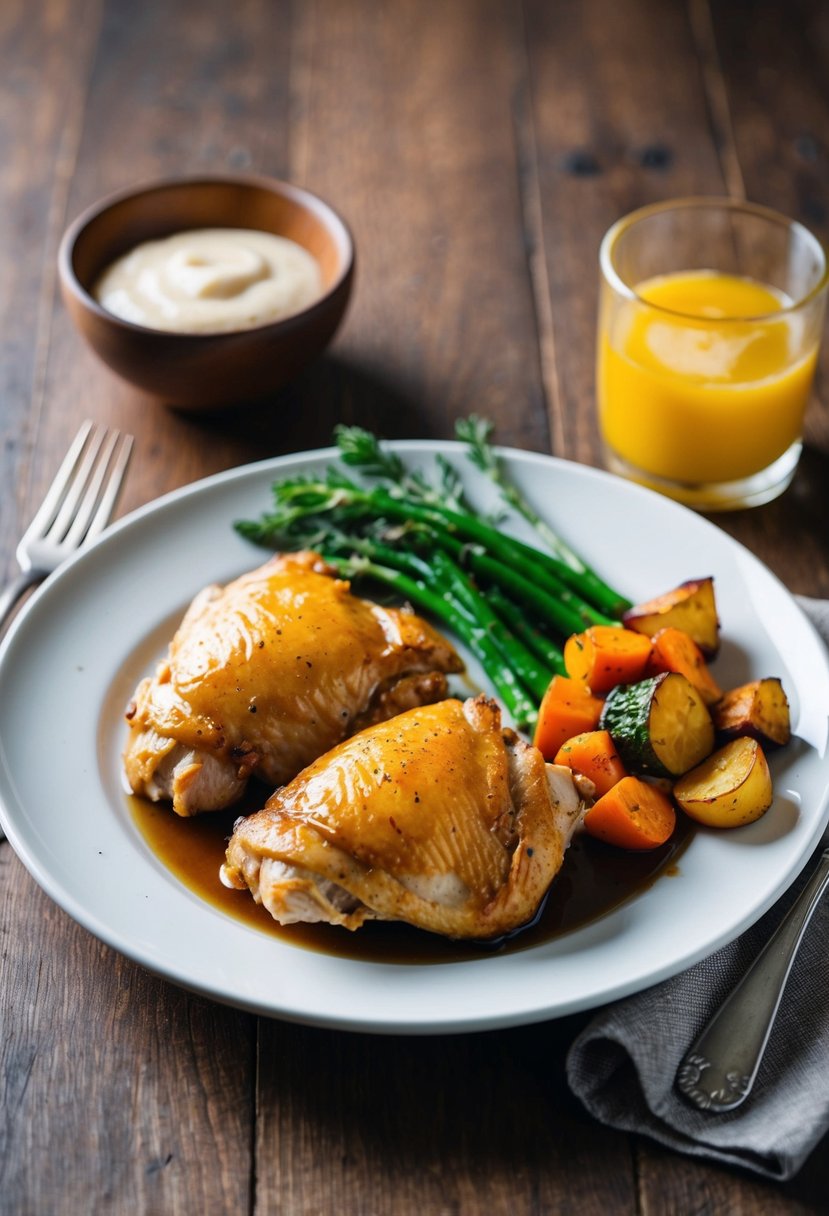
(266, 674)
(439, 817)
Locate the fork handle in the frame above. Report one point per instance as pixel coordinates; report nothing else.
(11, 594)
(718, 1071)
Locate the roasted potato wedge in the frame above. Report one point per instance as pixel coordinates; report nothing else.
(731, 788)
(759, 709)
(690, 607)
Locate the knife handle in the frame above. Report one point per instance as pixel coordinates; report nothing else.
(718, 1071)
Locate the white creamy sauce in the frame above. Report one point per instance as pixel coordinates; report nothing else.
(210, 280)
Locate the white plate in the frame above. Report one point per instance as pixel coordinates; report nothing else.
(69, 657)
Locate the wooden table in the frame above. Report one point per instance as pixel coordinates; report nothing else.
(479, 149)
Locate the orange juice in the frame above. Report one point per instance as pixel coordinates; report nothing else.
(708, 386)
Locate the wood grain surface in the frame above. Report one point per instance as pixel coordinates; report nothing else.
(479, 150)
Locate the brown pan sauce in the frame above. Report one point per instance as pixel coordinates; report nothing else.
(594, 880)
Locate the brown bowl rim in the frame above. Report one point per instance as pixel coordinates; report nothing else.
(314, 202)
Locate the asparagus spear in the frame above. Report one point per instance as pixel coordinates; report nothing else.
(476, 433)
(361, 449)
(550, 654)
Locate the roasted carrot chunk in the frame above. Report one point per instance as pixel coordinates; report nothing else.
(606, 655)
(568, 708)
(674, 650)
(594, 755)
(632, 815)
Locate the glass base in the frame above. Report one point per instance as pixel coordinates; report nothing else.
(718, 496)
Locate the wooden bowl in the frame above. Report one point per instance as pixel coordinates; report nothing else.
(206, 371)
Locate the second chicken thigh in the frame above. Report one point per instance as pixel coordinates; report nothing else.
(439, 817)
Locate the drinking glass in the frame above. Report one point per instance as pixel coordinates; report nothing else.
(710, 320)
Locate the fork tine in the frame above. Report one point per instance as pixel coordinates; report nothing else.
(50, 505)
(85, 507)
(108, 486)
(77, 484)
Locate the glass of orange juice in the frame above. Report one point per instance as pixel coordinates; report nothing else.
(710, 320)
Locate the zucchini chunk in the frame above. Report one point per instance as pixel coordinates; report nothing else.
(759, 709)
(690, 607)
(731, 788)
(660, 726)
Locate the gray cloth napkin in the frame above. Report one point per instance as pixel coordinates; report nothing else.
(622, 1065)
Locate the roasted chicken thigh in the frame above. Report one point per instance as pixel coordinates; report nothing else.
(266, 674)
(439, 817)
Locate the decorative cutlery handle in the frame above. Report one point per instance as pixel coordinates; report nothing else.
(718, 1071)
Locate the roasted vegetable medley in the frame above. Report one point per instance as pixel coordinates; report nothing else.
(640, 714)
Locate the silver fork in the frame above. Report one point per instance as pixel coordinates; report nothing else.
(718, 1072)
(76, 509)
